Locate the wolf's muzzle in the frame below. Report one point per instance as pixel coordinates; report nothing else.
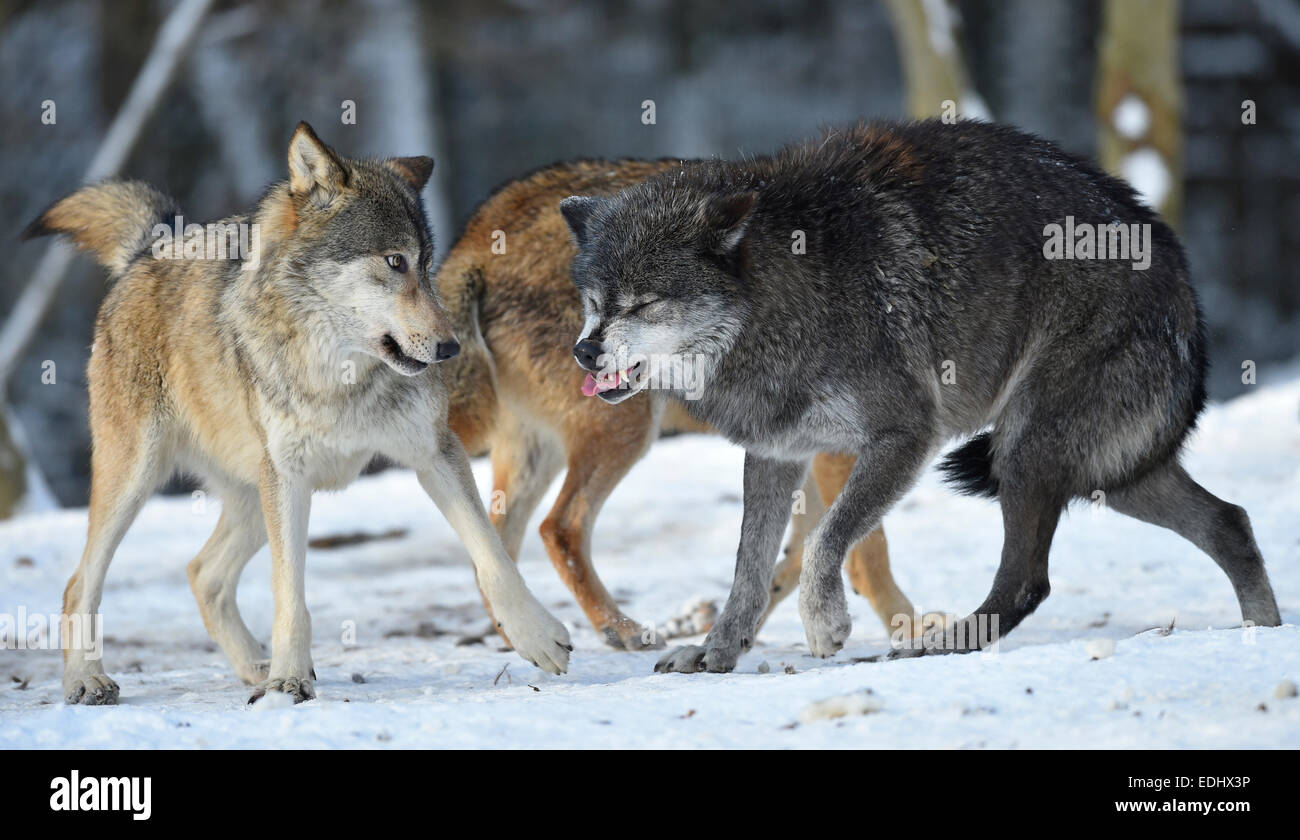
(588, 352)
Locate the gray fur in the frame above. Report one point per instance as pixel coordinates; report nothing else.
(924, 247)
(768, 487)
(271, 383)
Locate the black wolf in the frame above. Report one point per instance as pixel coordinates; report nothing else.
(883, 289)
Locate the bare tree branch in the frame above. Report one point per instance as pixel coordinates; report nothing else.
(170, 48)
(17, 474)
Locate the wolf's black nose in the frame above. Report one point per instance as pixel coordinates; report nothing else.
(446, 350)
(587, 352)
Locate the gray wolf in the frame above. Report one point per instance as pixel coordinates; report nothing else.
(922, 309)
(271, 383)
(507, 285)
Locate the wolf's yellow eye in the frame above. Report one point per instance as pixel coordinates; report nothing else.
(396, 262)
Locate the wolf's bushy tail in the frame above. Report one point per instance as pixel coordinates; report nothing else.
(113, 220)
(969, 467)
(471, 376)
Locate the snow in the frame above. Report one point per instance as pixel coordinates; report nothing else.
(973, 106)
(1100, 648)
(941, 22)
(1132, 118)
(1145, 169)
(666, 537)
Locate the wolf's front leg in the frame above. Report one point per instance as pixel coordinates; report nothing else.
(880, 477)
(536, 634)
(286, 506)
(769, 491)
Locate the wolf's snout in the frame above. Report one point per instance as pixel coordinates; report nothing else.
(447, 350)
(407, 361)
(587, 352)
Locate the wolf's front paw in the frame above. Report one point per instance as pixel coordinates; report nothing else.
(690, 659)
(298, 689)
(826, 622)
(538, 637)
(90, 690)
(826, 636)
(626, 634)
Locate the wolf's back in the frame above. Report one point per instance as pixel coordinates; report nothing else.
(113, 220)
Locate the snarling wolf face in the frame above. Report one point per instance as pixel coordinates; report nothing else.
(363, 247)
(660, 273)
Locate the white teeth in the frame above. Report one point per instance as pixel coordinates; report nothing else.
(622, 375)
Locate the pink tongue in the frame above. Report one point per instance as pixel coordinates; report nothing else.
(592, 386)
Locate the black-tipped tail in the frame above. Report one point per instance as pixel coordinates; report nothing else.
(969, 468)
(36, 229)
(113, 220)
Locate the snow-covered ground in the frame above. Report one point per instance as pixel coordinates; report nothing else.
(667, 536)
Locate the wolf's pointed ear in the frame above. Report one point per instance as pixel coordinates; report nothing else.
(577, 210)
(725, 219)
(414, 170)
(313, 165)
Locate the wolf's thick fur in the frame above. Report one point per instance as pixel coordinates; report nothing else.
(270, 383)
(515, 392)
(925, 254)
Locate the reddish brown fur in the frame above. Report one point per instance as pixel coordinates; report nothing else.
(516, 391)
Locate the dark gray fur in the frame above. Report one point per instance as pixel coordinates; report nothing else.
(924, 245)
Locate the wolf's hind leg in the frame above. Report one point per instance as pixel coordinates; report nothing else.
(1170, 498)
(214, 577)
(871, 577)
(126, 466)
(1029, 520)
(524, 463)
(596, 466)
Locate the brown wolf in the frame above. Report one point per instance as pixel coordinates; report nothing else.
(271, 376)
(508, 286)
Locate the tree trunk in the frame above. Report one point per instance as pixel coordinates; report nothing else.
(928, 34)
(153, 80)
(13, 471)
(1139, 101)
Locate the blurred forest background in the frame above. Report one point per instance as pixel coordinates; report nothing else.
(1156, 89)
